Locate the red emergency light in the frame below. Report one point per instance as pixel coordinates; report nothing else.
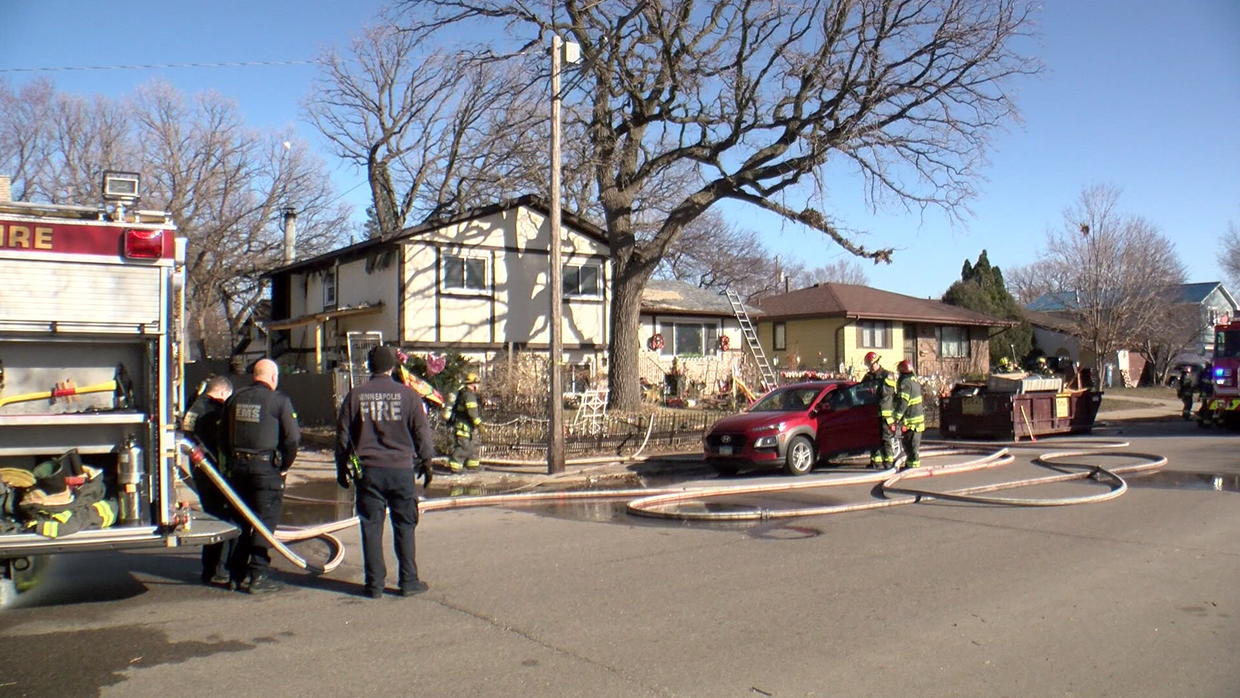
(144, 244)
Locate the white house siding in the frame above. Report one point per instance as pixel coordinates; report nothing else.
(514, 305)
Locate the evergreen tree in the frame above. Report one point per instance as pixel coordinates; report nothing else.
(981, 288)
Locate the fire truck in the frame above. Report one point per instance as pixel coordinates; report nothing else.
(1224, 405)
(91, 331)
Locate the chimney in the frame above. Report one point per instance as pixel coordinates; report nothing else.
(290, 234)
(6, 188)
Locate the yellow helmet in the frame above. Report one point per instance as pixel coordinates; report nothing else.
(471, 377)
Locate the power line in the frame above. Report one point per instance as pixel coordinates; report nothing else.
(148, 66)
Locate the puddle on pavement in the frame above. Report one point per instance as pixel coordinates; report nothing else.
(319, 502)
(1181, 480)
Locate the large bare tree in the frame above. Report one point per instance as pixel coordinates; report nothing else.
(435, 131)
(757, 97)
(224, 184)
(1118, 274)
(1229, 256)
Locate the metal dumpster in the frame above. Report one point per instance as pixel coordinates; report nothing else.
(1008, 416)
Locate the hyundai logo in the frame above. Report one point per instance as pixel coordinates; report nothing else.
(726, 438)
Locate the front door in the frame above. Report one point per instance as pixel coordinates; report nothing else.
(910, 344)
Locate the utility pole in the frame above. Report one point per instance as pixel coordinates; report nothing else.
(290, 234)
(555, 401)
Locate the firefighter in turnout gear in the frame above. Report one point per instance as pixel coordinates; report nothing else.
(382, 440)
(910, 414)
(205, 421)
(1187, 384)
(463, 417)
(885, 388)
(262, 441)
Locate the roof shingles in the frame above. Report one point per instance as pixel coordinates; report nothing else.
(865, 303)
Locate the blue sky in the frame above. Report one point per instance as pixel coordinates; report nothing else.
(1141, 95)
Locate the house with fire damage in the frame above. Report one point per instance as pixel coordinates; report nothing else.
(475, 283)
(832, 326)
(694, 328)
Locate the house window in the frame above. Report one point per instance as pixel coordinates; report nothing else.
(689, 338)
(329, 288)
(780, 338)
(583, 280)
(953, 342)
(468, 274)
(874, 334)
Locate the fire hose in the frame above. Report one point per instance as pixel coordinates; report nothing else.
(653, 502)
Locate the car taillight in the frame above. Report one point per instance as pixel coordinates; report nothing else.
(144, 244)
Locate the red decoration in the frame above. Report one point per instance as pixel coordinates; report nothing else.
(724, 342)
(655, 342)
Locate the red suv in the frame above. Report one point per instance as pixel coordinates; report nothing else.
(795, 426)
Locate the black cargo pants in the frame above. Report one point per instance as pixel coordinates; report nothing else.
(389, 491)
(259, 484)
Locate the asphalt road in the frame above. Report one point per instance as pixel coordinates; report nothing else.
(1133, 597)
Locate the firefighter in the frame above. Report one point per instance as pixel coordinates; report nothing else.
(1005, 365)
(1184, 390)
(204, 420)
(885, 388)
(381, 433)
(910, 414)
(262, 440)
(1042, 367)
(1205, 388)
(463, 417)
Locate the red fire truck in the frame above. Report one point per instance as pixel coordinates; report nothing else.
(1223, 407)
(91, 329)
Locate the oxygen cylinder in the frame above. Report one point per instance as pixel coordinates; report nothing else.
(129, 479)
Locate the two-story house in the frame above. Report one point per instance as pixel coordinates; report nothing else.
(475, 283)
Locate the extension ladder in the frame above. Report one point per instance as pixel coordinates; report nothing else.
(765, 371)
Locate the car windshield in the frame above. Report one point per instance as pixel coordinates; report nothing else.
(786, 400)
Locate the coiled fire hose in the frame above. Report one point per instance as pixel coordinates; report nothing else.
(654, 502)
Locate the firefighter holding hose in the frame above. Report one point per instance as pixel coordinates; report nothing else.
(262, 442)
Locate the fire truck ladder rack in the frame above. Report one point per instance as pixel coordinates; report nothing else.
(751, 339)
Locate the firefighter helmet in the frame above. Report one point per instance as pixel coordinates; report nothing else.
(870, 357)
(471, 377)
(904, 367)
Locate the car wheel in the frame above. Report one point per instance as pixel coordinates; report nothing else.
(727, 469)
(799, 459)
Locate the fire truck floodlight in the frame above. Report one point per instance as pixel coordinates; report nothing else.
(121, 186)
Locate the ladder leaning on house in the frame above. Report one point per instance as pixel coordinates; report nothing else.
(751, 339)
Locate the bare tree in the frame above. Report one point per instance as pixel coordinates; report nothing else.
(1229, 257)
(436, 132)
(225, 186)
(1177, 328)
(841, 271)
(223, 183)
(1029, 282)
(1119, 274)
(27, 151)
(710, 253)
(755, 98)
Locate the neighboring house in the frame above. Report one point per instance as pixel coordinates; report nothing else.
(1051, 317)
(832, 326)
(690, 321)
(475, 283)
